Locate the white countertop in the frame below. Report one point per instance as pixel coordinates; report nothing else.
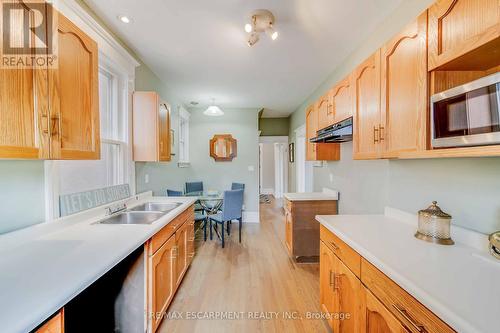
(43, 267)
(459, 283)
(312, 196)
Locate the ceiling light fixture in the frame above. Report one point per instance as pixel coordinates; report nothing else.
(262, 20)
(124, 19)
(213, 110)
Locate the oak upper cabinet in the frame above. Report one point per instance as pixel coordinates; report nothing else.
(340, 101)
(376, 317)
(366, 108)
(151, 127)
(318, 151)
(464, 34)
(74, 95)
(162, 280)
(404, 90)
(347, 298)
(326, 280)
(52, 113)
(325, 113)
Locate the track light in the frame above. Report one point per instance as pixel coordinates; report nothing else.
(248, 28)
(272, 33)
(262, 20)
(254, 38)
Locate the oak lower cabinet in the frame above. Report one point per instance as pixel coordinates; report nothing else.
(366, 109)
(376, 317)
(169, 256)
(318, 151)
(151, 128)
(464, 34)
(404, 91)
(52, 113)
(54, 324)
(349, 284)
(302, 231)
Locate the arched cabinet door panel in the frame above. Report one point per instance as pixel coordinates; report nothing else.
(74, 95)
(377, 319)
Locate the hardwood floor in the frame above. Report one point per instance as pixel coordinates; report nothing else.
(241, 279)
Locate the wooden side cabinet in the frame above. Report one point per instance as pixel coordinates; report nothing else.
(404, 91)
(464, 34)
(151, 128)
(52, 113)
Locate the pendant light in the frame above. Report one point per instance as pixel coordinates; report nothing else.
(213, 110)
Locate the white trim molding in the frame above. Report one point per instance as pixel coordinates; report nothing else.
(251, 217)
(273, 139)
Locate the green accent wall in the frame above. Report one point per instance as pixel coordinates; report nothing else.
(467, 188)
(274, 126)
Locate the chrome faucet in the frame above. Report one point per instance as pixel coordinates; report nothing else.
(116, 209)
(494, 239)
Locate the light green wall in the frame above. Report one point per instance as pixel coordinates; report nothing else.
(21, 194)
(274, 126)
(243, 125)
(469, 189)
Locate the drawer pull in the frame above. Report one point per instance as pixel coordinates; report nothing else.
(335, 247)
(191, 239)
(408, 318)
(191, 255)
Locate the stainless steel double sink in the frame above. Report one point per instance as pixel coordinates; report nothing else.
(146, 213)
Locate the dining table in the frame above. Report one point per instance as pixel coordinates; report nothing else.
(210, 202)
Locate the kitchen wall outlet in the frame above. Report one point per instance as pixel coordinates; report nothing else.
(146, 178)
(251, 168)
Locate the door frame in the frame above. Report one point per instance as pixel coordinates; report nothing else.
(304, 177)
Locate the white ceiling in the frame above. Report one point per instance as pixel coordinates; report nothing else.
(197, 47)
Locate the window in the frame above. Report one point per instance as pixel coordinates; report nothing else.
(183, 136)
(67, 177)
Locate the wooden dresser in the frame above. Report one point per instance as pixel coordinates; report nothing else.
(301, 228)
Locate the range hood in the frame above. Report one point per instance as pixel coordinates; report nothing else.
(338, 132)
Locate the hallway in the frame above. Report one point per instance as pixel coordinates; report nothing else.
(255, 285)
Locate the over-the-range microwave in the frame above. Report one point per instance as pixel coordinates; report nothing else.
(468, 115)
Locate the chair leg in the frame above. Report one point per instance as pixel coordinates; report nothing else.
(239, 221)
(222, 234)
(205, 222)
(211, 232)
(229, 228)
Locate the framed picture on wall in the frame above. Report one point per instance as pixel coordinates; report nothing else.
(291, 152)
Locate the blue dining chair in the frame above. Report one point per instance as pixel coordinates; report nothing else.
(232, 207)
(237, 186)
(174, 193)
(194, 187)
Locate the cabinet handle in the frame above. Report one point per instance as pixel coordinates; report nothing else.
(191, 255)
(174, 254)
(375, 134)
(335, 247)
(329, 109)
(44, 125)
(336, 279)
(381, 128)
(161, 146)
(191, 239)
(332, 279)
(407, 317)
(54, 125)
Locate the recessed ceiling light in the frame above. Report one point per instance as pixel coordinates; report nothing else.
(124, 19)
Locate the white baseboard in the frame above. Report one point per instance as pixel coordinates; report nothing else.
(251, 217)
(267, 191)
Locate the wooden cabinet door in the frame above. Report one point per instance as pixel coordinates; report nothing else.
(326, 280)
(404, 90)
(24, 117)
(74, 95)
(323, 108)
(181, 252)
(163, 280)
(191, 237)
(457, 27)
(341, 104)
(347, 300)
(366, 108)
(164, 132)
(311, 128)
(376, 318)
(54, 324)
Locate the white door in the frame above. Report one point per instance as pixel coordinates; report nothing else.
(303, 168)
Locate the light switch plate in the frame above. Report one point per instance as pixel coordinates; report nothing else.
(146, 178)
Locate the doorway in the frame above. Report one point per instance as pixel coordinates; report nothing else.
(273, 166)
(303, 168)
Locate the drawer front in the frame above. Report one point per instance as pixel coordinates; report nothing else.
(348, 256)
(416, 317)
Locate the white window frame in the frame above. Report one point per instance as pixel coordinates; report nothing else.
(183, 136)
